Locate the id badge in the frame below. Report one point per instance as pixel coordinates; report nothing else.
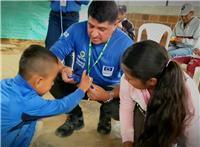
(63, 3)
(107, 71)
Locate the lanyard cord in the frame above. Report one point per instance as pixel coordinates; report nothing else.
(99, 57)
(61, 21)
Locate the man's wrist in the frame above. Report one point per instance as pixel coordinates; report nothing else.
(111, 96)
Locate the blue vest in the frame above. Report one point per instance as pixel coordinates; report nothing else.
(107, 71)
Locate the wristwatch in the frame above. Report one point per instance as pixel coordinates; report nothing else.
(111, 96)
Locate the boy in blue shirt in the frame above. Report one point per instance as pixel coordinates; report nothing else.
(98, 46)
(21, 97)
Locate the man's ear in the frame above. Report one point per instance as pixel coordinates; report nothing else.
(152, 82)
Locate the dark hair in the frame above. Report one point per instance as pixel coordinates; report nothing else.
(128, 28)
(166, 110)
(122, 9)
(36, 59)
(103, 11)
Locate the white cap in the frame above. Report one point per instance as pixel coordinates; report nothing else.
(186, 9)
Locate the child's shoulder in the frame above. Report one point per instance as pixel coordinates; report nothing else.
(5, 83)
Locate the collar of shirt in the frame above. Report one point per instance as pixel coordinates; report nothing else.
(23, 84)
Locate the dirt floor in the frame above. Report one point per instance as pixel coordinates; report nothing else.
(11, 51)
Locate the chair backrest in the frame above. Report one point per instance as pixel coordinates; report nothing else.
(155, 32)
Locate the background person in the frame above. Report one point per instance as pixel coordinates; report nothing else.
(185, 33)
(124, 23)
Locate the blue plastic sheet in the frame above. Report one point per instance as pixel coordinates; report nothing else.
(24, 19)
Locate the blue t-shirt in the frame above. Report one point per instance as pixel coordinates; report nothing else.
(69, 6)
(107, 71)
(21, 107)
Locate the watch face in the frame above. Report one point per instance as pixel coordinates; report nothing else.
(111, 96)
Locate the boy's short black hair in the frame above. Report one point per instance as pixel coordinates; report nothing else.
(103, 11)
(36, 60)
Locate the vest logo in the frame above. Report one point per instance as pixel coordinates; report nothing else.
(107, 71)
(82, 54)
(80, 59)
(66, 34)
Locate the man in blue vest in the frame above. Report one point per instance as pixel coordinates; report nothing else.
(98, 46)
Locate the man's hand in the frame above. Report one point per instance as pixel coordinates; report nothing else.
(197, 51)
(175, 40)
(97, 93)
(66, 75)
(178, 40)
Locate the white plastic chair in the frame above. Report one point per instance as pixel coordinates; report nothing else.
(155, 31)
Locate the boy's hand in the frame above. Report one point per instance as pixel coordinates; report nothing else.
(86, 82)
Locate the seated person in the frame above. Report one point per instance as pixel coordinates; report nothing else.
(127, 27)
(185, 33)
(21, 97)
(124, 23)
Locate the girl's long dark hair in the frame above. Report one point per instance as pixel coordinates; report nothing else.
(167, 108)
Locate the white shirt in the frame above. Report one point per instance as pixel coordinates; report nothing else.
(192, 29)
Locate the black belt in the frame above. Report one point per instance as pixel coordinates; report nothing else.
(66, 13)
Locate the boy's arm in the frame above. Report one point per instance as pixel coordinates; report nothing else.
(37, 107)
